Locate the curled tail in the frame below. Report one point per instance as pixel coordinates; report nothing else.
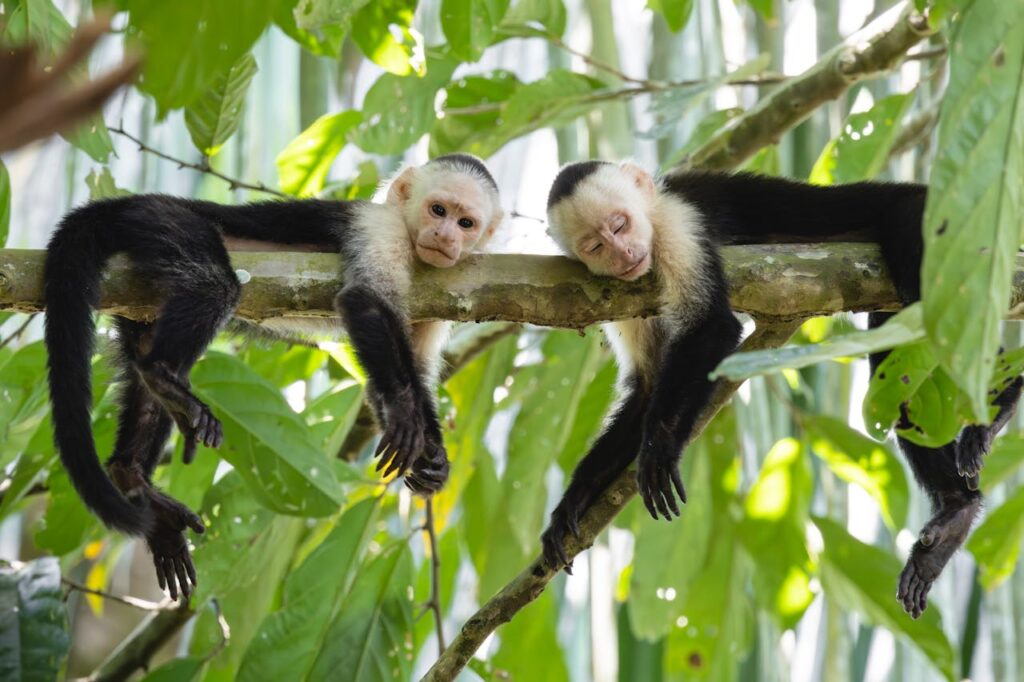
(75, 259)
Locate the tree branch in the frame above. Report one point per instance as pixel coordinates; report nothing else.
(135, 652)
(875, 50)
(529, 584)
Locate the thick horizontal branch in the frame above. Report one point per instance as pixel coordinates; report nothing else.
(779, 281)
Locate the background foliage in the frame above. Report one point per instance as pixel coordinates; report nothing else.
(784, 564)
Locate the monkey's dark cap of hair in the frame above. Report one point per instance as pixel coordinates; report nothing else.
(569, 178)
(467, 162)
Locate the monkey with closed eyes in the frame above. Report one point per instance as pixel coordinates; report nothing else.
(433, 214)
(621, 222)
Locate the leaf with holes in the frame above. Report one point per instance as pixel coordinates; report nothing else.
(216, 114)
(862, 149)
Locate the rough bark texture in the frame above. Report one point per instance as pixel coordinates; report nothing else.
(783, 281)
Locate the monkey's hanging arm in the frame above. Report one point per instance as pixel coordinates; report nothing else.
(767, 282)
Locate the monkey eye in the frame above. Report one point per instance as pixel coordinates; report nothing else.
(438, 210)
(595, 248)
(466, 223)
(620, 223)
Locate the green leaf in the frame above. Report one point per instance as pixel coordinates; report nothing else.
(773, 531)
(34, 638)
(905, 327)
(996, 543)
(41, 23)
(857, 459)
(177, 670)
(289, 640)
(550, 14)
(191, 42)
(471, 26)
(324, 41)
(862, 578)
(304, 164)
(862, 148)
(668, 556)
(367, 636)
(702, 132)
(362, 186)
(267, 443)
(462, 132)
(399, 110)
(215, 115)
(101, 185)
(5, 203)
(374, 30)
(529, 646)
(322, 14)
(67, 523)
(22, 399)
(972, 219)
(1006, 458)
(675, 12)
(330, 416)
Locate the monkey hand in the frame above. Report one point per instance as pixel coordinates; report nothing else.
(430, 471)
(403, 439)
(658, 474)
(564, 521)
(167, 544)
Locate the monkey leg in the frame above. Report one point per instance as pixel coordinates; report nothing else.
(976, 441)
(185, 326)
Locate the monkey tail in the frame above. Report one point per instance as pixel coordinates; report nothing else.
(75, 258)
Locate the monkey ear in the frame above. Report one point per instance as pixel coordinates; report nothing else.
(640, 177)
(401, 187)
(488, 232)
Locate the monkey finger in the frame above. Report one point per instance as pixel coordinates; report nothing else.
(193, 521)
(189, 451)
(677, 483)
(670, 500)
(568, 568)
(385, 440)
(646, 496)
(159, 572)
(172, 586)
(179, 569)
(973, 482)
(574, 526)
(190, 568)
(219, 439)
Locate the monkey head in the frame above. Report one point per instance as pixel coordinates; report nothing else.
(599, 213)
(451, 206)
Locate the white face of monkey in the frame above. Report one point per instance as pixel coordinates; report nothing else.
(605, 222)
(447, 212)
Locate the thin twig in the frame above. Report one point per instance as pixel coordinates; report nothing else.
(225, 631)
(134, 602)
(434, 603)
(924, 55)
(135, 652)
(17, 332)
(202, 167)
(517, 214)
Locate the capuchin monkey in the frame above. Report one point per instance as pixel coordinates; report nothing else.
(432, 214)
(623, 223)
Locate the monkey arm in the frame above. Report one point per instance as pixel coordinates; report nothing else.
(681, 391)
(612, 452)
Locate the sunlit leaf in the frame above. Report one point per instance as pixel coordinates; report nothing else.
(972, 220)
(702, 132)
(22, 399)
(675, 12)
(905, 327)
(215, 115)
(549, 14)
(471, 25)
(996, 543)
(267, 443)
(862, 148)
(862, 579)
(321, 14)
(102, 186)
(1006, 458)
(857, 459)
(34, 638)
(773, 531)
(303, 165)
(374, 28)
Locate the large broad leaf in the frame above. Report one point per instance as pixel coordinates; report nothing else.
(471, 25)
(22, 399)
(862, 578)
(303, 165)
(996, 543)
(5, 203)
(857, 459)
(331, 416)
(667, 556)
(1006, 458)
(216, 114)
(481, 97)
(267, 443)
(289, 640)
(41, 23)
(367, 639)
(324, 41)
(773, 531)
(34, 638)
(675, 12)
(529, 644)
(862, 148)
(383, 31)
(312, 15)
(67, 522)
(523, 15)
(399, 110)
(973, 217)
(905, 327)
(190, 42)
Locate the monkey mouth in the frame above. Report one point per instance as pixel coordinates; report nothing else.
(636, 270)
(431, 255)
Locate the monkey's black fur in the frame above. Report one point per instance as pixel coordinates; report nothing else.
(661, 410)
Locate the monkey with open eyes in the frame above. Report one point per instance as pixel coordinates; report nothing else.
(623, 223)
(432, 214)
